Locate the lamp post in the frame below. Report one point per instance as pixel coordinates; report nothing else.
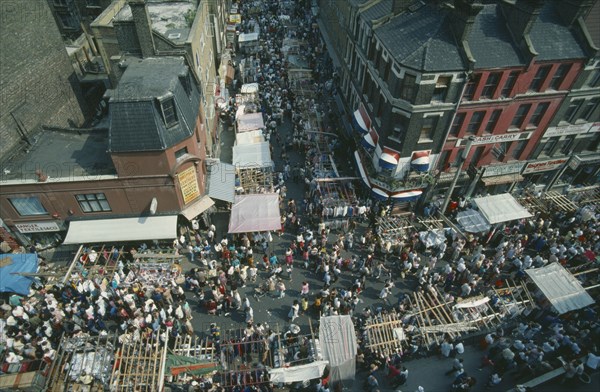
(461, 160)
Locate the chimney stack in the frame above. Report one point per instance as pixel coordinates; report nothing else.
(143, 26)
(463, 18)
(520, 16)
(399, 6)
(571, 10)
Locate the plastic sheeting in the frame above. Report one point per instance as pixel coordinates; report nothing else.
(432, 237)
(309, 371)
(13, 264)
(500, 208)
(122, 229)
(560, 287)
(255, 212)
(247, 156)
(250, 122)
(338, 341)
(472, 221)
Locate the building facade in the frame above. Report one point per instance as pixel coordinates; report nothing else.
(149, 162)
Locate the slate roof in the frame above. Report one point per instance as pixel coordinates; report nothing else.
(377, 10)
(427, 43)
(490, 41)
(551, 39)
(136, 122)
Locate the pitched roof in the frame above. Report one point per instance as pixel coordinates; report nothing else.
(552, 39)
(136, 122)
(490, 31)
(427, 43)
(377, 10)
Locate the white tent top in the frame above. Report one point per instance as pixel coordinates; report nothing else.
(560, 287)
(247, 156)
(501, 208)
(122, 229)
(251, 137)
(249, 88)
(247, 37)
(255, 212)
(472, 221)
(339, 346)
(221, 181)
(250, 122)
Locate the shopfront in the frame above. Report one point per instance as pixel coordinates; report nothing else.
(42, 234)
(541, 172)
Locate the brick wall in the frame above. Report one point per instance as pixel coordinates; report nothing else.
(38, 84)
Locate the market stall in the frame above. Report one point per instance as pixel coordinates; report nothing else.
(256, 155)
(255, 212)
(250, 122)
(500, 208)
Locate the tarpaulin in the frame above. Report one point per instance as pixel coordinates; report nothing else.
(13, 264)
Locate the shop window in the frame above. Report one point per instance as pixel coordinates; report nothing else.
(520, 115)
(475, 123)
(93, 202)
(492, 121)
(559, 76)
(491, 84)
(539, 78)
(539, 113)
(28, 206)
(509, 84)
(459, 119)
(441, 89)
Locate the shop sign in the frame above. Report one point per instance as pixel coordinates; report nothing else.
(188, 182)
(501, 170)
(37, 227)
(595, 127)
(568, 130)
(542, 166)
(574, 162)
(491, 139)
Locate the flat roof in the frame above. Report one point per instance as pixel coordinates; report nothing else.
(70, 156)
(166, 17)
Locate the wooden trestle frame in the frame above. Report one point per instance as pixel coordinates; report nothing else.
(548, 202)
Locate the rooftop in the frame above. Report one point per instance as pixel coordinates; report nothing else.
(172, 19)
(68, 156)
(377, 10)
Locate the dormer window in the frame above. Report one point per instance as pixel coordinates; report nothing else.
(168, 111)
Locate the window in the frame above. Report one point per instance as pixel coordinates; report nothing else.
(518, 150)
(28, 206)
(459, 119)
(168, 112)
(500, 149)
(509, 84)
(181, 152)
(549, 146)
(571, 113)
(589, 108)
(567, 144)
(471, 87)
(441, 88)
(407, 91)
(538, 114)
(429, 124)
(493, 120)
(559, 76)
(93, 202)
(443, 160)
(475, 123)
(400, 126)
(491, 84)
(522, 111)
(477, 155)
(594, 80)
(540, 77)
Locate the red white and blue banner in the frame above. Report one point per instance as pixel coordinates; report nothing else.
(406, 196)
(389, 158)
(420, 161)
(361, 120)
(370, 140)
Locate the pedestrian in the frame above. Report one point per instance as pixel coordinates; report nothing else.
(280, 289)
(457, 367)
(305, 289)
(385, 292)
(294, 310)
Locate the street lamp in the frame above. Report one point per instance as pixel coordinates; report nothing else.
(461, 160)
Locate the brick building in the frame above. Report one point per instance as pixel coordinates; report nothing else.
(420, 77)
(146, 168)
(38, 86)
(71, 14)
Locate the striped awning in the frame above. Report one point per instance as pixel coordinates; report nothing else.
(379, 194)
(361, 120)
(389, 158)
(361, 169)
(370, 139)
(407, 195)
(420, 161)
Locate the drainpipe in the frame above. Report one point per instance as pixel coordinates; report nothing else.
(461, 160)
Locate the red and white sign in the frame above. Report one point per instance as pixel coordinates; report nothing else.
(542, 166)
(37, 227)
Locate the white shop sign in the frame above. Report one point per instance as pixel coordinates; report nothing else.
(568, 130)
(501, 170)
(37, 227)
(542, 166)
(491, 139)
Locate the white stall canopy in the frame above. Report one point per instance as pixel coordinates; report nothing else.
(251, 137)
(339, 346)
(247, 37)
(122, 229)
(221, 181)
(472, 221)
(250, 122)
(249, 88)
(501, 208)
(247, 156)
(309, 371)
(255, 212)
(560, 287)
